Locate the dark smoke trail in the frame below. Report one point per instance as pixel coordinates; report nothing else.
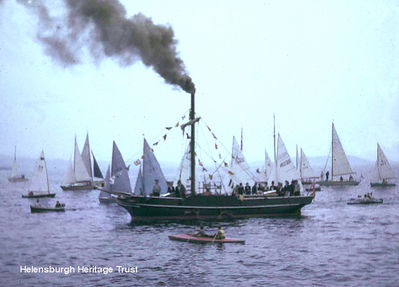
(111, 33)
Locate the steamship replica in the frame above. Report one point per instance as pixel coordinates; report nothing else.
(196, 205)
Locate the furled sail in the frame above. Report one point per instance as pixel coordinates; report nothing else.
(305, 169)
(285, 168)
(96, 168)
(384, 168)
(86, 156)
(119, 172)
(152, 171)
(239, 167)
(81, 173)
(39, 181)
(341, 164)
(139, 187)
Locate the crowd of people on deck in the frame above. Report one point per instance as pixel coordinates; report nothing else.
(288, 189)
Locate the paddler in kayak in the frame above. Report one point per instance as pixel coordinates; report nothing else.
(201, 233)
(220, 234)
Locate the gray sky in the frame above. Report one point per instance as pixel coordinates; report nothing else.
(310, 62)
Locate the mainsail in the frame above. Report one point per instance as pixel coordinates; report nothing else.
(184, 171)
(39, 181)
(340, 163)
(80, 170)
(86, 156)
(96, 169)
(265, 171)
(239, 167)
(383, 167)
(119, 172)
(152, 171)
(283, 169)
(139, 187)
(69, 177)
(305, 170)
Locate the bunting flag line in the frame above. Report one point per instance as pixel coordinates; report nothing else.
(214, 136)
(210, 176)
(225, 164)
(177, 124)
(209, 128)
(168, 128)
(164, 137)
(156, 143)
(230, 172)
(142, 157)
(137, 162)
(216, 146)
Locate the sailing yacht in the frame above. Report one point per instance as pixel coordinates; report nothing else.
(241, 172)
(77, 176)
(39, 185)
(340, 166)
(15, 175)
(383, 172)
(197, 206)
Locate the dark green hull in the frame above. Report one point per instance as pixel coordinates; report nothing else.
(217, 207)
(378, 184)
(39, 195)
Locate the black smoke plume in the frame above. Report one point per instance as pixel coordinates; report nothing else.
(104, 28)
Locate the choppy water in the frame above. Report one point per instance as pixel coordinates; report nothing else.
(332, 244)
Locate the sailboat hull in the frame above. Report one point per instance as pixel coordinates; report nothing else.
(78, 187)
(216, 207)
(17, 179)
(379, 184)
(39, 195)
(338, 183)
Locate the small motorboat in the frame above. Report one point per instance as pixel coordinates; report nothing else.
(32, 195)
(198, 239)
(39, 208)
(365, 201)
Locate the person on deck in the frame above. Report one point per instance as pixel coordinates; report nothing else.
(181, 189)
(156, 189)
(350, 178)
(327, 174)
(247, 189)
(58, 204)
(240, 189)
(220, 234)
(171, 189)
(254, 188)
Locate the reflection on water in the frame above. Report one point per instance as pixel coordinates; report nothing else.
(332, 243)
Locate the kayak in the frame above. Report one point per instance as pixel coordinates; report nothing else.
(37, 209)
(197, 239)
(365, 200)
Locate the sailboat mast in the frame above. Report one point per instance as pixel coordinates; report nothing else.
(275, 151)
(15, 153)
(192, 143)
(45, 167)
(332, 152)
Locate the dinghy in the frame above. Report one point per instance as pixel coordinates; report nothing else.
(39, 185)
(340, 166)
(39, 209)
(196, 239)
(365, 200)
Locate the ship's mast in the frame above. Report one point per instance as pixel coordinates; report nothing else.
(274, 138)
(192, 143)
(332, 152)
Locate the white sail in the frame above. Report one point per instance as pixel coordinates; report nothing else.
(139, 187)
(241, 171)
(69, 176)
(107, 184)
(80, 170)
(86, 156)
(383, 167)
(152, 171)
(340, 163)
(39, 181)
(15, 168)
(305, 169)
(119, 172)
(185, 169)
(285, 168)
(265, 171)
